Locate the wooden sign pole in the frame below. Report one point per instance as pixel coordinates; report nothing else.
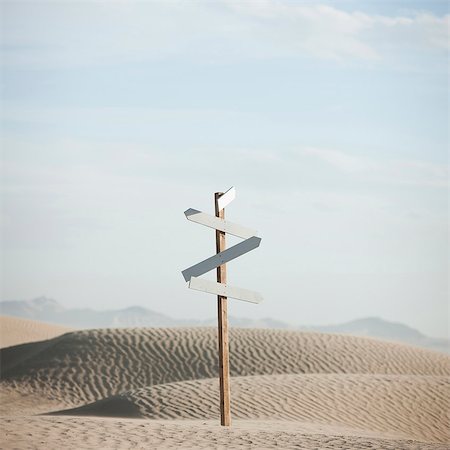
(220, 287)
(224, 362)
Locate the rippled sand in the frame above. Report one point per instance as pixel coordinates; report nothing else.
(143, 388)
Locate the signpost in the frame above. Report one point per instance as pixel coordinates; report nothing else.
(221, 288)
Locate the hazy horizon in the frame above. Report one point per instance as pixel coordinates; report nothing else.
(172, 315)
(329, 118)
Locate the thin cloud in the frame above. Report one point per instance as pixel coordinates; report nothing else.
(67, 34)
(328, 32)
(404, 172)
(341, 160)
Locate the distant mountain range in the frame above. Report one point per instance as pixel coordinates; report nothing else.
(49, 310)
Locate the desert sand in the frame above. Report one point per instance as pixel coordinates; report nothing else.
(158, 388)
(15, 331)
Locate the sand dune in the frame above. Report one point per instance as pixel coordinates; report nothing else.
(370, 402)
(15, 331)
(85, 366)
(302, 389)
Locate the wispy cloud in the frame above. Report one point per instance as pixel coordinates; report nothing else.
(68, 34)
(340, 160)
(330, 32)
(394, 171)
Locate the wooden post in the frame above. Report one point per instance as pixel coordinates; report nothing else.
(224, 362)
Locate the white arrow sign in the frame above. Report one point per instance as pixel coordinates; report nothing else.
(227, 198)
(219, 224)
(221, 258)
(212, 287)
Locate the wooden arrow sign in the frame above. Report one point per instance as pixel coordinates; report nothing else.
(212, 287)
(221, 258)
(226, 198)
(219, 224)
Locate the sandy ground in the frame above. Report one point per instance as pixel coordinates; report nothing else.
(15, 331)
(157, 388)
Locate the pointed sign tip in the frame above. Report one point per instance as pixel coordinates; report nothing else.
(191, 212)
(186, 275)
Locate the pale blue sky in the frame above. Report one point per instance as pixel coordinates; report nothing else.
(330, 118)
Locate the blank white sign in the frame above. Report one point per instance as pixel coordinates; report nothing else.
(212, 287)
(221, 258)
(219, 224)
(226, 198)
